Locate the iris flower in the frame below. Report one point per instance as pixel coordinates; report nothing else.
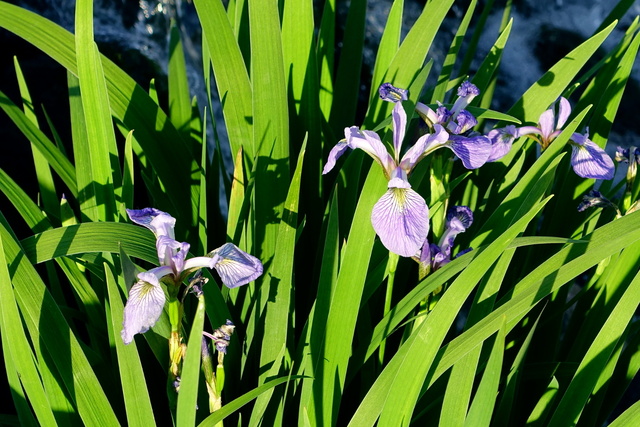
(147, 297)
(549, 124)
(401, 216)
(588, 160)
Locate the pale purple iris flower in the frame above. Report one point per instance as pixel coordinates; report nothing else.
(147, 298)
(401, 216)
(432, 256)
(549, 124)
(588, 160)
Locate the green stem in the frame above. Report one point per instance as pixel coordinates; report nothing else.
(392, 263)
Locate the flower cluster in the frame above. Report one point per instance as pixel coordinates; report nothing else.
(147, 298)
(401, 216)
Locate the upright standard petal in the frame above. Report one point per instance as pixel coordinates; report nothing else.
(235, 267)
(425, 145)
(473, 151)
(564, 110)
(399, 117)
(144, 306)
(463, 122)
(172, 253)
(161, 223)
(589, 160)
(401, 219)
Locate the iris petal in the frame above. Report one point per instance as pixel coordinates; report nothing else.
(235, 267)
(401, 219)
(473, 151)
(144, 306)
(589, 160)
(399, 125)
(161, 223)
(337, 151)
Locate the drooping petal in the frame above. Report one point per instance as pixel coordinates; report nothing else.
(473, 151)
(589, 160)
(161, 223)
(425, 145)
(337, 151)
(501, 141)
(370, 142)
(144, 306)
(564, 110)
(235, 266)
(390, 93)
(401, 219)
(399, 117)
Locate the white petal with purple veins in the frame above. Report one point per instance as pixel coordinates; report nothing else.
(235, 266)
(144, 306)
(401, 219)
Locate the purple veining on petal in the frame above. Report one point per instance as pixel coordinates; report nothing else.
(144, 306)
(235, 266)
(589, 160)
(473, 151)
(401, 219)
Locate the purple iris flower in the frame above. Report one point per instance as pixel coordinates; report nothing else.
(432, 256)
(147, 298)
(401, 216)
(549, 125)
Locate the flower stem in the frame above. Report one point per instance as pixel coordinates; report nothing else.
(392, 263)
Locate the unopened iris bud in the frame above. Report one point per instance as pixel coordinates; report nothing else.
(466, 92)
(390, 93)
(595, 199)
